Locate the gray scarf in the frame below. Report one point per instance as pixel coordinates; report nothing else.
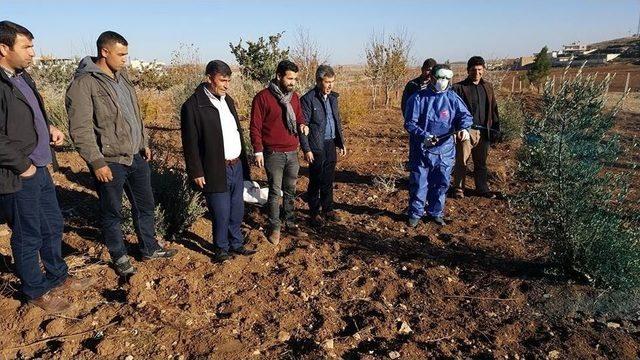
(285, 99)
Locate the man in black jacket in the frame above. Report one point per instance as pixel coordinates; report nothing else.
(479, 96)
(417, 84)
(320, 109)
(28, 200)
(215, 156)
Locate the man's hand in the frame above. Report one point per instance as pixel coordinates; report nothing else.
(463, 135)
(29, 172)
(57, 137)
(147, 154)
(259, 160)
(304, 129)
(309, 157)
(343, 151)
(200, 182)
(103, 174)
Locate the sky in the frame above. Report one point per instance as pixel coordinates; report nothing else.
(442, 29)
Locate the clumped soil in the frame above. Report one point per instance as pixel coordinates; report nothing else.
(366, 287)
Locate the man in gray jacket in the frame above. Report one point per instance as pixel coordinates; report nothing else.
(107, 129)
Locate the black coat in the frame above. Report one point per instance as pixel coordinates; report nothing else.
(463, 89)
(202, 141)
(316, 118)
(18, 135)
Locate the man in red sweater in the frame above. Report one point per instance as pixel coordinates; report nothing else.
(276, 120)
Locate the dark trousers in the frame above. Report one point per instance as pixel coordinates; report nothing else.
(321, 175)
(227, 210)
(135, 180)
(282, 173)
(36, 223)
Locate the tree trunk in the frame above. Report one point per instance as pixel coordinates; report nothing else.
(387, 96)
(374, 92)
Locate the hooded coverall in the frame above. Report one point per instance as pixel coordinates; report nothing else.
(431, 113)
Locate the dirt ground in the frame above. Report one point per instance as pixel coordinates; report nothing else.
(367, 287)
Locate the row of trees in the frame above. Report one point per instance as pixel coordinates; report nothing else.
(388, 60)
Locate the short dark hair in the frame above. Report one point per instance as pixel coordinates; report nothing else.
(108, 38)
(475, 61)
(217, 67)
(324, 71)
(9, 32)
(429, 63)
(286, 65)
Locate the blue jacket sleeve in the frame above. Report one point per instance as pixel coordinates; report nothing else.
(307, 111)
(411, 116)
(463, 119)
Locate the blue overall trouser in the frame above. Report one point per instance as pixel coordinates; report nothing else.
(429, 179)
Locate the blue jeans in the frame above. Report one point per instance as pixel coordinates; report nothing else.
(227, 210)
(135, 180)
(36, 223)
(321, 175)
(282, 174)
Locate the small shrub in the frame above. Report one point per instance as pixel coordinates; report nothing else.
(156, 107)
(178, 205)
(354, 105)
(385, 183)
(54, 97)
(512, 118)
(58, 75)
(570, 200)
(151, 76)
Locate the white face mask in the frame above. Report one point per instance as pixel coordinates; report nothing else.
(441, 85)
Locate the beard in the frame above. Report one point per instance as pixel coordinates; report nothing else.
(286, 87)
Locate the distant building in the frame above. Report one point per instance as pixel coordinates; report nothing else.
(576, 47)
(575, 54)
(49, 60)
(524, 61)
(138, 64)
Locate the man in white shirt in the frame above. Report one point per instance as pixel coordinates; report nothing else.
(214, 154)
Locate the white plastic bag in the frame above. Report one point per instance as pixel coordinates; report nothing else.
(253, 194)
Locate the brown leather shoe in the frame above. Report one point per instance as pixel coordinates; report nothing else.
(315, 221)
(51, 303)
(274, 237)
(75, 284)
(295, 231)
(457, 194)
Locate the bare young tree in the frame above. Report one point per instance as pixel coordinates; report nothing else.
(374, 70)
(308, 55)
(396, 63)
(387, 63)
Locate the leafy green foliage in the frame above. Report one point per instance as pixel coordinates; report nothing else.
(512, 118)
(570, 200)
(178, 205)
(259, 59)
(540, 67)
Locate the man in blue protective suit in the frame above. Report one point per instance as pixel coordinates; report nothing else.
(434, 118)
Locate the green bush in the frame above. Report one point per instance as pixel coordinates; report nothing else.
(58, 75)
(178, 205)
(259, 59)
(150, 76)
(570, 200)
(53, 97)
(512, 117)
